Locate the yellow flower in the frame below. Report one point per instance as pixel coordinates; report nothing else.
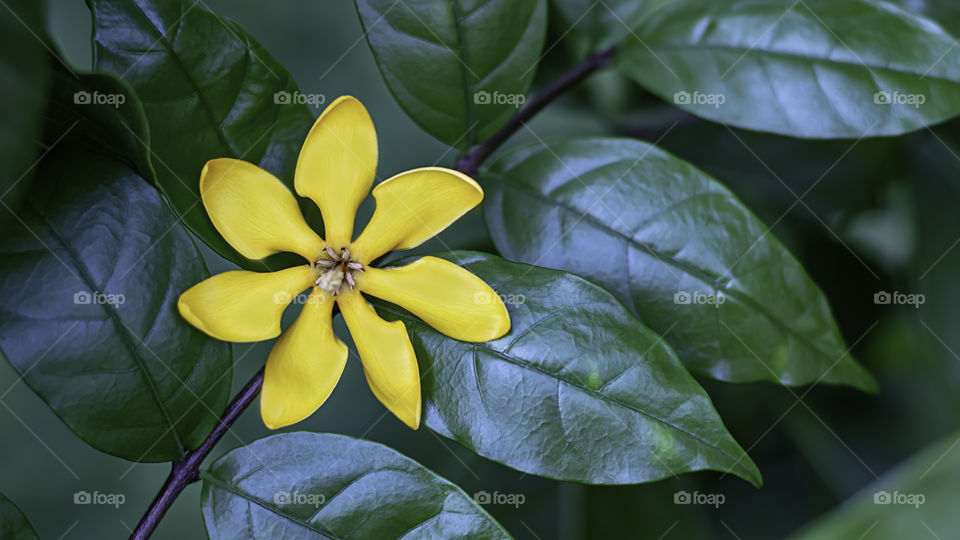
(258, 216)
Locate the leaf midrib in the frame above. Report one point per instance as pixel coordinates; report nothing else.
(532, 367)
(685, 267)
(161, 38)
(234, 490)
(121, 328)
(689, 47)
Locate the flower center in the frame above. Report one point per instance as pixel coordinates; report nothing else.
(336, 267)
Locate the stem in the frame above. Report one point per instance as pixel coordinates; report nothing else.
(187, 470)
(470, 163)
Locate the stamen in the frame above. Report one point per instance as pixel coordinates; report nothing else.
(355, 266)
(350, 280)
(333, 255)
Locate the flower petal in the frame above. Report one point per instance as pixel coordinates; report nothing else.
(387, 356)
(414, 206)
(446, 296)
(304, 365)
(337, 165)
(254, 211)
(243, 306)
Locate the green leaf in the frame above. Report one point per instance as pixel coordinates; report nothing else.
(460, 68)
(25, 71)
(595, 25)
(678, 248)
(917, 499)
(817, 68)
(104, 113)
(578, 390)
(324, 485)
(89, 283)
(209, 91)
(13, 524)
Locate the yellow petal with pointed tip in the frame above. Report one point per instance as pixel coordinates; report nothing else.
(304, 365)
(254, 211)
(414, 206)
(446, 296)
(387, 356)
(337, 165)
(243, 306)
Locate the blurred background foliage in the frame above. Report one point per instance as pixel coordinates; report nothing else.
(862, 217)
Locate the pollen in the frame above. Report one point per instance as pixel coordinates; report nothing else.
(336, 268)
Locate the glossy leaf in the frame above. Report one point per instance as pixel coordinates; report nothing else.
(324, 485)
(209, 91)
(104, 113)
(89, 285)
(25, 71)
(578, 390)
(13, 524)
(817, 68)
(679, 249)
(917, 499)
(459, 68)
(595, 25)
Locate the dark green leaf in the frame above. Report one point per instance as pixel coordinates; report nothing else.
(578, 389)
(103, 112)
(209, 91)
(817, 68)
(25, 71)
(917, 499)
(596, 25)
(324, 485)
(460, 68)
(89, 284)
(13, 524)
(679, 249)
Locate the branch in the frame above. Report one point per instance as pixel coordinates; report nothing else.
(187, 470)
(470, 163)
